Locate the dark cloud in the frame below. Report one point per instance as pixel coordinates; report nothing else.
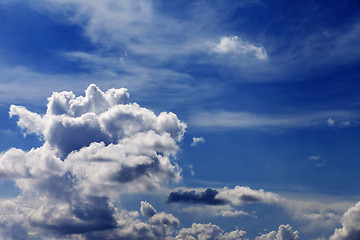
(206, 197)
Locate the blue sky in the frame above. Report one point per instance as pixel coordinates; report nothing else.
(269, 93)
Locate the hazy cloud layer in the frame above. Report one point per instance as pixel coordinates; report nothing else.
(230, 119)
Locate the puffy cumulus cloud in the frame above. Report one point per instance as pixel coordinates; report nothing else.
(146, 209)
(197, 140)
(236, 45)
(316, 216)
(285, 232)
(350, 229)
(243, 195)
(129, 226)
(71, 122)
(95, 147)
(209, 231)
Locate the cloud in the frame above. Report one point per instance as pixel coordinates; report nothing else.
(346, 123)
(95, 147)
(197, 140)
(330, 122)
(234, 213)
(209, 231)
(206, 197)
(146, 209)
(230, 119)
(318, 160)
(237, 196)
(350, 221)
(285, 232)
(244, 195)
(235, 45)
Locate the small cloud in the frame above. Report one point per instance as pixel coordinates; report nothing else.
(191, 168)
(330, 122)
(226, 213)
(312, 157)
(346, 124)
(318, 160)
(236, 45)
(197, 140)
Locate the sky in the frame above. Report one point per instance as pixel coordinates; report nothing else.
(140, 119)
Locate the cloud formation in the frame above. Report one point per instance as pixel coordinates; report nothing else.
(209, 231)
(350, 221)
(235, 45)
(285, 232)
(95, 147)
(197, 140)
(236, 196)
(230, 119)
(206, 197)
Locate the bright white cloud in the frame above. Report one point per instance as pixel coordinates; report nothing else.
(285, 232)
(209, 231)
(197, 140)
(236, 213)
(350, 221)
(96, 147)
(235, 45)
(243, 195)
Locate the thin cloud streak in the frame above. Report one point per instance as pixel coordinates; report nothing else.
(229, 119)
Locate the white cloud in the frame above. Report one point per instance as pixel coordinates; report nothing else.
(285, 232)
(209, 231)
(330, 122)
(235, 45)
(346, 123)
(197, 140)
(318, 160)
(236, 213)
(146, 209)
(95, 148)
(243, 195)
(350, 221)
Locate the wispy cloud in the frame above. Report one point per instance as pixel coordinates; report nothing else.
(197, 140)
(229, 119)
(235, 45)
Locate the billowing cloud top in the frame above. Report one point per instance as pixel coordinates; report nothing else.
(95, 147)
